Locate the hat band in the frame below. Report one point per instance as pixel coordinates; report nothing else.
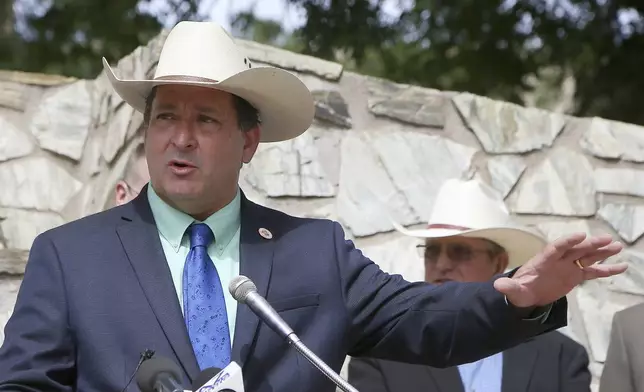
(185, 78)
(448, 227)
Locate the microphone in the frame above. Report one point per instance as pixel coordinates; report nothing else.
(244, 291)
(204, 377)
(228, 380)
(145, 355)
(159, 374)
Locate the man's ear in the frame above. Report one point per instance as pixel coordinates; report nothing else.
(251, 142)
(502, 262)
(120, 193)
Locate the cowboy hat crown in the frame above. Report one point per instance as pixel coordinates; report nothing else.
(469, 204)
(470, 208)
(203, 54)
(206, 51)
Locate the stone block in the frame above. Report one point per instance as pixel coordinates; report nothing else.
(292, 168)
(291, 61)
(620, 181)
(394, 174)
(36, 183)
(117, 132)
(503, 127)
(20, 227)
(13, 142)
(562, 184)
(505, 171)
(408, 104)
(62, 120)
(14, 95)
(614, 140)
(330, 107)
(626, 219)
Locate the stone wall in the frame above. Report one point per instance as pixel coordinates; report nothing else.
(376, 150)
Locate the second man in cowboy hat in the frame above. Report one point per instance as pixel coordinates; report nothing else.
(470, 238)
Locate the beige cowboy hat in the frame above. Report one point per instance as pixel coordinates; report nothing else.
(204, 54)
(470, 208)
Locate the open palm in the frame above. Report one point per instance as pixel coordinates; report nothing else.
(553, 273)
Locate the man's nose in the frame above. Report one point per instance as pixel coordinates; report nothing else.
(443, 262)
(184, 135)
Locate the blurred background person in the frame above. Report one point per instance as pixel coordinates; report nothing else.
(135, 176)
(624, 366)
(470, 238)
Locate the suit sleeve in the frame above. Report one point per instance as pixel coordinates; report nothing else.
(365, 375)
(38, 351)
(616, 376)
(575, 373)
(438, 326)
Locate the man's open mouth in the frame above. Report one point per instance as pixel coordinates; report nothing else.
(180, 164)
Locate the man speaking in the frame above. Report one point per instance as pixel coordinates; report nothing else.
(152, 274)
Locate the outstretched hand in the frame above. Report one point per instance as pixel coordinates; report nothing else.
(554, 272)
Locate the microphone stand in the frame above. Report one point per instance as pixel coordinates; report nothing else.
(244, 290)
(294, 340)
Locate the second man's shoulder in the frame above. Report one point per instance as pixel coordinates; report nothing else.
(558, 338)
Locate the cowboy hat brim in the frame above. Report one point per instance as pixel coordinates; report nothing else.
(285, 104)
(520, 244)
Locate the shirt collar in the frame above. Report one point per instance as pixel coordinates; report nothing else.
(172, 223)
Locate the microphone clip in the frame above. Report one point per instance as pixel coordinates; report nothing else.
(144, 356)
(147, 354)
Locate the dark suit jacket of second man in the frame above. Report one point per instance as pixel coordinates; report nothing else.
(548, 363)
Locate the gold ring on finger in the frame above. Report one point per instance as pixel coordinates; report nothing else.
(581, 267)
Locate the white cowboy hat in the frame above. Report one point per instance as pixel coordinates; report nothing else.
(204, 54)
(469, 208)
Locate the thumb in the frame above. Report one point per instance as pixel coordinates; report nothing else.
(515, 293)
(507, 286)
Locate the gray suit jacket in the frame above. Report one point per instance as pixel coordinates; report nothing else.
(624, 367)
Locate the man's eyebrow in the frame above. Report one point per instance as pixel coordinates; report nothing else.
(207, 109)
(165, 106)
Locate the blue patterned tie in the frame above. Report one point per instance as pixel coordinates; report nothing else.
(203, 302)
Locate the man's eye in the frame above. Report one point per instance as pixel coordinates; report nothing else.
(207, 119)
(165, 116)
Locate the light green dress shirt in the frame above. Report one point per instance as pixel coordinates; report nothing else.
(224, 251)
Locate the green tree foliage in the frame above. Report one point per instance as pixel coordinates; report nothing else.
(355, 27)
(487, 47)
(606, 54)
(69, 37)
(248, 26)
(490, 47)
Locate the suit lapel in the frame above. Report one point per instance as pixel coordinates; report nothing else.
(518, 364)
(447, 379)
(141, 242)
(256, 261)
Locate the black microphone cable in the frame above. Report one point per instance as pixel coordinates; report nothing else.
(145, 355)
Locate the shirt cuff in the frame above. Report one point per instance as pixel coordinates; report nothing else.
(540, 313)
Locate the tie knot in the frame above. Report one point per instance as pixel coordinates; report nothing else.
(200, 235)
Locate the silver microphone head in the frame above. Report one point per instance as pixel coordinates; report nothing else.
(240, 286)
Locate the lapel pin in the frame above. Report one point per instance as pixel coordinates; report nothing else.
(265, 233)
